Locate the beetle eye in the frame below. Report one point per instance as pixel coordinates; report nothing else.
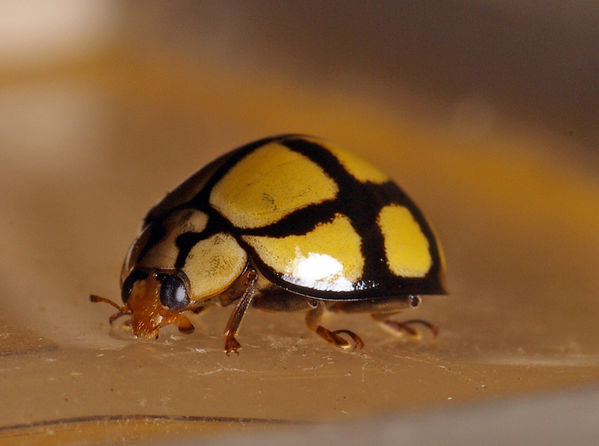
(130, 281)
(172, 292)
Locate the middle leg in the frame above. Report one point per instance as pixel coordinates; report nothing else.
(313, 318)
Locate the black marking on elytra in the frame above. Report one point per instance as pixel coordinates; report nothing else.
(216, 221)
(299, 222)
(186, 241)
(361, 202)
(215, 170)
(166, 207)
(157, 233)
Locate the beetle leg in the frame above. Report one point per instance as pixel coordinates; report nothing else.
(231, 344)
(197, 310)
(184, 324)
(403, 327)
(313, 318)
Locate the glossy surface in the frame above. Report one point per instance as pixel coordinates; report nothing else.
(269, 184)
(406, 246)
(163, 254)
(327, 258)
(309, 216)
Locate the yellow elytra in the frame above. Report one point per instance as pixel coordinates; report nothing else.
(288, 223)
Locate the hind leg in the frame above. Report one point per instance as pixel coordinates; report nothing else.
(382, 309)
(406, 327)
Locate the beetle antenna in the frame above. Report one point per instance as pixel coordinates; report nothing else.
(94, 298)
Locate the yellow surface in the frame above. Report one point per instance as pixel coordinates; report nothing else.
(213, 264)
(406, 246)
(327, 258)
(516, 212)
(268, 184)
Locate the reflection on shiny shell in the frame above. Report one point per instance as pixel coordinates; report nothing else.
(319, 271)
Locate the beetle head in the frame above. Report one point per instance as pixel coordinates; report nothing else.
(153, 300)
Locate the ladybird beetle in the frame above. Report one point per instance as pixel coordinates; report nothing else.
(286, 223)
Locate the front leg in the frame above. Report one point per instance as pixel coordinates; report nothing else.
(250, 279)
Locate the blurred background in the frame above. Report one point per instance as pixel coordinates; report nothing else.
(484, 112)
